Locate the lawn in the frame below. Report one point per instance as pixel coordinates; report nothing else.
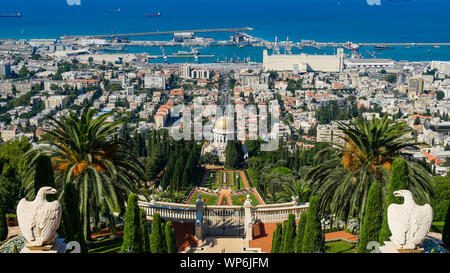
(240, 199)
(106, 245)
(437, 227)
(207, 199)
(339, 247)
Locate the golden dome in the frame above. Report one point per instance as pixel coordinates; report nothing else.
(224, 123)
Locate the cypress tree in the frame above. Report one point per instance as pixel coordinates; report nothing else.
(44, 175)
(133, 237)
(170, 238)
(145, 235)
(446, 231)
(312, 240)
(289, 237)
(298, 244)
(372, 219)
(72, 226)
(399, 180)
(276, 240)
(157, 239)
(3, 226)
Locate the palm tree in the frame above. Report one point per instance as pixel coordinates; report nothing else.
(343, 180)
(295, 188)
(85, 150)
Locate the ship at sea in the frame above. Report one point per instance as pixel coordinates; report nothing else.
(11, 15)
(383, 47)
(158, 14)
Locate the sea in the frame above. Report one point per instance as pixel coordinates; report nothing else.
(374, 21)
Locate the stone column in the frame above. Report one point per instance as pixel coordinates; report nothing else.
(248, 222)
(199, 232)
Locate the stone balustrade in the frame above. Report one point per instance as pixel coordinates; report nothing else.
(277, 214)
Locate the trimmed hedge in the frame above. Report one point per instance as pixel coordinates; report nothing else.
(372, 219)
(276, 240)
(313, 238)
(399, 180)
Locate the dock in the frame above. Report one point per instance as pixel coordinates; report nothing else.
(235, 30)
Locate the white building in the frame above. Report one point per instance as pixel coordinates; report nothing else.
(304, 62)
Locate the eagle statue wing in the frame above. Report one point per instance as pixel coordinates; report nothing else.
(48, 219)
(396, 221)
(421, 219)
(26, 224)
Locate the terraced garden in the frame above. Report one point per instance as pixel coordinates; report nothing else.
(238, 200)
(207, 199)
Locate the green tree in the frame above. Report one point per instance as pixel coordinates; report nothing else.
(276, 239)
(145, 234)
(298, 244)
(170, 238)
(372, 219)
(343, 178)
(313, 240)
(446, 231)
(132, 234)
(3, 226)
(399, 180)
(72, 228)
(84, 150)
(289, 238)
(157, 238)
(42, 172)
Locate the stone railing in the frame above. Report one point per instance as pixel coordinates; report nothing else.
(170, 211)
(268, 213)
(195, 213)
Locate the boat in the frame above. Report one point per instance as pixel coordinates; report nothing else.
(182, 53)
(153, 15)
(11, 15)
(436, 46)
(115, 10)
(383, 47)
(115, 48)
(351, 46)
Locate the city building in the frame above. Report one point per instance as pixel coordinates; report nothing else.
(304, 62)
(155, 81)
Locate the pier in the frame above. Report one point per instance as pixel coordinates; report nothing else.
(235, 30)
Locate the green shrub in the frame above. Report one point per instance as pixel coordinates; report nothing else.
(313, 240)
(3, 226)
(157, 238)
(289, 237)
(399, 180)
(71, 225)
(446, 231)
(44, 175)
(372, 219)
(276, 240)
(298, 244)
(145, 235)
(133, 237)
(170, 238)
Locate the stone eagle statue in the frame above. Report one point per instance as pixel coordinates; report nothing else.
(409, 223)
(39, 219)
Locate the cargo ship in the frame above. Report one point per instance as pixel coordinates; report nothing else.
(383, 47)
(153, 15)
(11, 15)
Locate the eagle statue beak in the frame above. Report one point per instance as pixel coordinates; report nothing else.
(52, 191)
(397, 194)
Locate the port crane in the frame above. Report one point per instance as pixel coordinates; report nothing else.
(276, 49)
(287, 47)
(164, 54)
(373, 54)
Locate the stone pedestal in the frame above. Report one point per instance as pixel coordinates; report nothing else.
(57, 247)
(390, 247)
